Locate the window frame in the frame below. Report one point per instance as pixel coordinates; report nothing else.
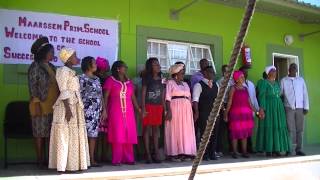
(147, 32)
(190, 56)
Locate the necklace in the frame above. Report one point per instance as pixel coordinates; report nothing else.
(179, 83)
(272, 87)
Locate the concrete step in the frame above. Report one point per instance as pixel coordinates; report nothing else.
(304, 168)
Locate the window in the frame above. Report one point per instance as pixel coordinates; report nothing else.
(169, 52)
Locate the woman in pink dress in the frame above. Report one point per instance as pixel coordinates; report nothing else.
(120, 99)
(239, 115)
(180, 142)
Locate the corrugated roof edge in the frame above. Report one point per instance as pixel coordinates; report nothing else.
(304, 4)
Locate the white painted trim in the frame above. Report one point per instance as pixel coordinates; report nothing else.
(289, 56)
(190, 56)
(178, 42)
(284, 55)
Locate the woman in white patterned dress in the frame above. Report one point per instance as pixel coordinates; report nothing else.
(92, 98)
(68, 140)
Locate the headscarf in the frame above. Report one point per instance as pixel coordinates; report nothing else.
(65, 54)
(102, 64)
(174, 69)
(237, 75)
(269, 68)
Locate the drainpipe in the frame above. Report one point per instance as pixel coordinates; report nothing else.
(302, 36)
(174, 13)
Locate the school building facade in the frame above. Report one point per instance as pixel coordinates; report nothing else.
(281, 32)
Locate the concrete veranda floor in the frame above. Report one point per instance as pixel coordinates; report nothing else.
(224, 167)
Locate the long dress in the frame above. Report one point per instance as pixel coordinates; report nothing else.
(179, 131)
(240, 115)
(43, 89)
(122, 133)
(91, 93)
(272, 135)
(68, 139)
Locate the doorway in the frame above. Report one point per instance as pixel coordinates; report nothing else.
(282, 63)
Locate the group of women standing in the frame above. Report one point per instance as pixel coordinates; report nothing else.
(72, 109)
(56, 108)
(272, 132)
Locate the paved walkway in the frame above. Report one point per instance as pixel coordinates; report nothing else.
(223, 167)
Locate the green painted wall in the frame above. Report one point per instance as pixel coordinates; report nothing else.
(203, 17)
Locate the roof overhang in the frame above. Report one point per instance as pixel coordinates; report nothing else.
(292, 9)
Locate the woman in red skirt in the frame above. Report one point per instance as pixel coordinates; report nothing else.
(152, 107)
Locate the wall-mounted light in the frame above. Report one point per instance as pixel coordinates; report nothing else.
(288, 39)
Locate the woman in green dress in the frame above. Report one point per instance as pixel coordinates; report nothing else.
(272, 135)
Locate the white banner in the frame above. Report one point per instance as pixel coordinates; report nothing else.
(88, 36)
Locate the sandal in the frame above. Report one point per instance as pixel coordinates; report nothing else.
(157, 161)
(148, 161)
(234, 155)
(186, 159)
(276, 154)
(96, 165)
(245, 155)
(268, 154)
(130, 163)
(116, 164)
(175, 159)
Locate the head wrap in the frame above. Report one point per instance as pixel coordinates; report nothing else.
(66, 53)
(237, 75)
(174, 69)
(38, 44)
(269, 68)
(102, 64)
